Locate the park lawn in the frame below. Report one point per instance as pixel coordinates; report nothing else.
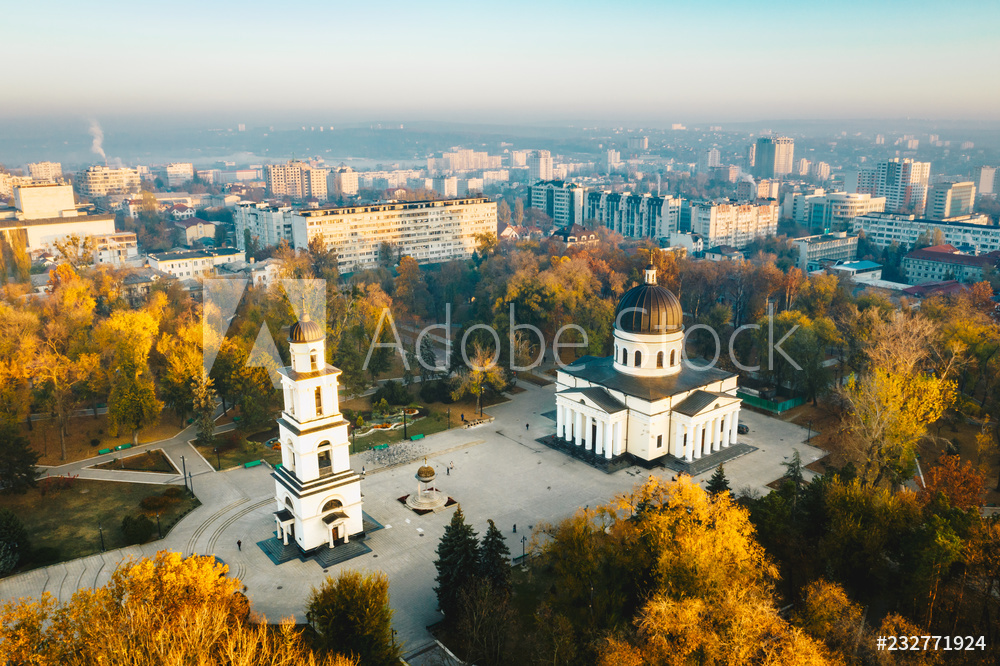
(44, 437)
(233, 456)
(64, 520)
(153, 460)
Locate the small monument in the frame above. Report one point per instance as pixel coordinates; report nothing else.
(427, 498)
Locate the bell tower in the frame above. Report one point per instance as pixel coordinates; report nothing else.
(317, 493)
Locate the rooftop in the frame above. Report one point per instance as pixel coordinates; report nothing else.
(602, 371)
(195, 254)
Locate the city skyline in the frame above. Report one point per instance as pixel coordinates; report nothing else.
(358, 63)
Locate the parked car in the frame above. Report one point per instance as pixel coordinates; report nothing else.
(742, 429)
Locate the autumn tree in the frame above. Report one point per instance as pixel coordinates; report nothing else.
(350, 615)
(481, 371)
(503, 212)
(132, 404)
(182, 366)
(60, 376)
(411, 288)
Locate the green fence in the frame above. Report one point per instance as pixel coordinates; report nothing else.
(770, 405)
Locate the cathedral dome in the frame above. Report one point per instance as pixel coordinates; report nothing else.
(305, 330)
(649, 308)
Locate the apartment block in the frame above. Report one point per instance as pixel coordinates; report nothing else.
(178, 173)
(972, 231)
(428, 231)
(902, 182)
(540, 166)
(446, 186)
(944, 262)
(48, 171)
(295, 179)
(816, 251)
(115, 249)
(635, 215)
(100, 181)
(735, 225)
(561, 201)
(342, 181)
(830, 211)
(985, 178)
(946, 200)
(194, 263)
(773, 157)
(637, 143)
(266, 223)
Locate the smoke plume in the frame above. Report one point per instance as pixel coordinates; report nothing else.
(96, 147)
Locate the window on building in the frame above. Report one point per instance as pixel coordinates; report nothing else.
(312, 360)
(659, 359)
(659, 441)
(325, 462)
(638, 358)
(673, 359)
(624, 357)
(319, 401)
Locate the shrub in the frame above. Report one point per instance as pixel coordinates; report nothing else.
(14, 543)
(438, 390)
(393, 393)
(137, 529)
(95, 442)
(174, 492)
(46, 555)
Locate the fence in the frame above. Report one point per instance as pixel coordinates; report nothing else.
(770, 405)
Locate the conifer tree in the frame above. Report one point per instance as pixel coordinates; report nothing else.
(494, 560)
(718, 483)
(457, 563)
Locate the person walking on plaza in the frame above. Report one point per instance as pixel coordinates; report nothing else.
(239, 544)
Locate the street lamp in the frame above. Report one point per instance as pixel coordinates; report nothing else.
(101, 530)
(184, 473)
(524, 540)
(191, 486)
(404, 423)
(158, 531)
(218, 459)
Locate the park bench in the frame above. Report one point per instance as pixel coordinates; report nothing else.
(253, 463)
(122, 447)
(103, 451)
(416, 437)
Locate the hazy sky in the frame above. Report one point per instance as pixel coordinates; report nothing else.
(503, 61)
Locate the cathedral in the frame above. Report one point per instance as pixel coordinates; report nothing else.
(644, 402)
(318, 495)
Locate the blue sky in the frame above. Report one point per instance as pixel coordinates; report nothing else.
(492, 62)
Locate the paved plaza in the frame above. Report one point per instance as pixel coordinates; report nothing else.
(500, 472)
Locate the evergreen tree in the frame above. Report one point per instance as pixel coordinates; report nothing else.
(17, 461)
(14, 543)
(204, 404)
(494, 560)
(351, 615)
(718, 483)
(457, 563)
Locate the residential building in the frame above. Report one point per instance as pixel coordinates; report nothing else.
(638, 143)
(518, 158)
(985, 178)
(834, 211)
(540, 166)
(264, 223)
(773, 157)
(561, 201)
(8, 182)
(100, 181)
(446, 186)
(178, 173)
(259, 273)
(802, 167)
(817, 251)
(194, 263)
(820, 171)
(634, 215)
(946, 200)
(748, 190)
(974, 231)
(729, 173)
(181, 212)
(946, 262)
(708, 160)
(724, 253)
(464, 160)
(612, 161)
(196, 229)
(468, 187)
(115, 249)
(733, 224)
(295, 179)
(902, 182)
(428, 231)
(49, 171)
(344, 182)
(575, 234)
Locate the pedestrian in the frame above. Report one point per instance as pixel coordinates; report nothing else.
(451, 466)
(463, 418)
(362, 470)
(239, 544)
(515, 528)
(525, 426)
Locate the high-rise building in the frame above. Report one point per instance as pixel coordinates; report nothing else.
(830, 211)
(446, 186)
(708, 160)
(50, 171)
(820, 170)
(295, 179)
(636, 143)
(802, 167)
(612, 160)
(518, 158)
(635, 215)
(344, 181)
(540, 166)
(735, 225)
(262, 223)
(773, 156)
(902, 182)
(561, 201)
(950, 200)
(100, 181)
(985, 177)
(428, 231)
(178, 173)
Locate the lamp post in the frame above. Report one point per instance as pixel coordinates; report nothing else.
(404, 423)
(449, 418)
(158, 531)
(524, 540)
(101, 530)
(184, 472)
(218, 459)
(191, 483)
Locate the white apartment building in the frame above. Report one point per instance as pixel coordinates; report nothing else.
(820, 170)
(773, 157)
(635, 215)
(428, 231)
(194, 263)
(115, 249)
(735, 225)
(902, 182)
(8, 182)
(387, 180)
(518, 158)
(49, 171)
(540, 166)
(561, 201)
(343, 181)
(178, 173)
(639, 143)
(295, 179)
(612, 160)
(985, 178)
(266, 223)
(814, 251)
(974, 231)
(946, 200)
(829, 211)
(464, 160)
(39, 201)
(446, 186)
(100, 181)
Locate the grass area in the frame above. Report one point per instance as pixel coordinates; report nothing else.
(153, 460)
(86, 435)
(232, 450)
(62, 516)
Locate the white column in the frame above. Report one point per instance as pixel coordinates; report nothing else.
(696, 443)
(734, 424)
(609, 432)
(588, 432)
(726, 436)
(560, 423)
(716, 424)
(707, 449)
(599, 441)
(618, 438)
(578, 434)
(688, 437)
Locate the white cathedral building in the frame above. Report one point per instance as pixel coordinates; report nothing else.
(644, 401)
(317, 492)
